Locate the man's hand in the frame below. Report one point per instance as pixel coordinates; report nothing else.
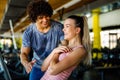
(28, 66)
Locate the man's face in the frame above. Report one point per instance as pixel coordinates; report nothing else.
(43, 21)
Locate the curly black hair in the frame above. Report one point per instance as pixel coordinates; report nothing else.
(39, 7)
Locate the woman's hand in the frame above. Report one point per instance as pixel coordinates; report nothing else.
(62, 49)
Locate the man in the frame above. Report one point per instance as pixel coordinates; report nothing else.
(43, 35)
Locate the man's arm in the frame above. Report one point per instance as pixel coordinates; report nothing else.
(24, 59)
(24, 55)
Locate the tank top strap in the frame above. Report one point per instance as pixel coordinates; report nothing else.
(78, 47)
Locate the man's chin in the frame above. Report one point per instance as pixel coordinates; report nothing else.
(45, 26)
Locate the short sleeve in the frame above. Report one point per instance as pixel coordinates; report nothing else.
(26, 39)
(62, 37)
(61, 33)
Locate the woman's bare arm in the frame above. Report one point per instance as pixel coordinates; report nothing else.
(70, 60)
(56, 51)
(46, 62)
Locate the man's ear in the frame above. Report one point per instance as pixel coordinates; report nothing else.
(78, 30)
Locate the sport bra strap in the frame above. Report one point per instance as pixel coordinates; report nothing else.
(78, 46)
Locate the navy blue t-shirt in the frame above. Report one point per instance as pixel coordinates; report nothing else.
(42, 43)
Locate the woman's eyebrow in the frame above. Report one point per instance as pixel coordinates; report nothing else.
(66, 24)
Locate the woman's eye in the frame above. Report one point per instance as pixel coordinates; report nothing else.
(67, 26)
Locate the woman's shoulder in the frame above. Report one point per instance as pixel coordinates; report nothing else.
(79, 46)
(79, 50)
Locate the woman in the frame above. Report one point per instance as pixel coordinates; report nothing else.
(64, 59)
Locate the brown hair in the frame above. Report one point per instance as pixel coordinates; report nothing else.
(39, 7)
(81, 21)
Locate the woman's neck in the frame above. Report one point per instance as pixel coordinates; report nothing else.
(74, 42)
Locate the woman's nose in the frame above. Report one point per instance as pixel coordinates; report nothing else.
(63, 29)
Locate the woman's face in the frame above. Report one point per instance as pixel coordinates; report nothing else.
(43, 21)
(70, 30)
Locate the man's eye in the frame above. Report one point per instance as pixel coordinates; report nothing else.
(40, 17)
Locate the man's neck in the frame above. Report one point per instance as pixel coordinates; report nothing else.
(44, 30)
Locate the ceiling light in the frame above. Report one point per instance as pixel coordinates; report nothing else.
(72, 2)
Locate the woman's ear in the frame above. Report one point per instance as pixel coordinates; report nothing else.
(78, 30)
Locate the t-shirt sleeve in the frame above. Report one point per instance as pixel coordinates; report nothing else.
(61, 33)
(26, 39)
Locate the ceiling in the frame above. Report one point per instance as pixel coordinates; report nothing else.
(2, 7)
(15, 10)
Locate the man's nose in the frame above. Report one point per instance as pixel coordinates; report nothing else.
(44, 19)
